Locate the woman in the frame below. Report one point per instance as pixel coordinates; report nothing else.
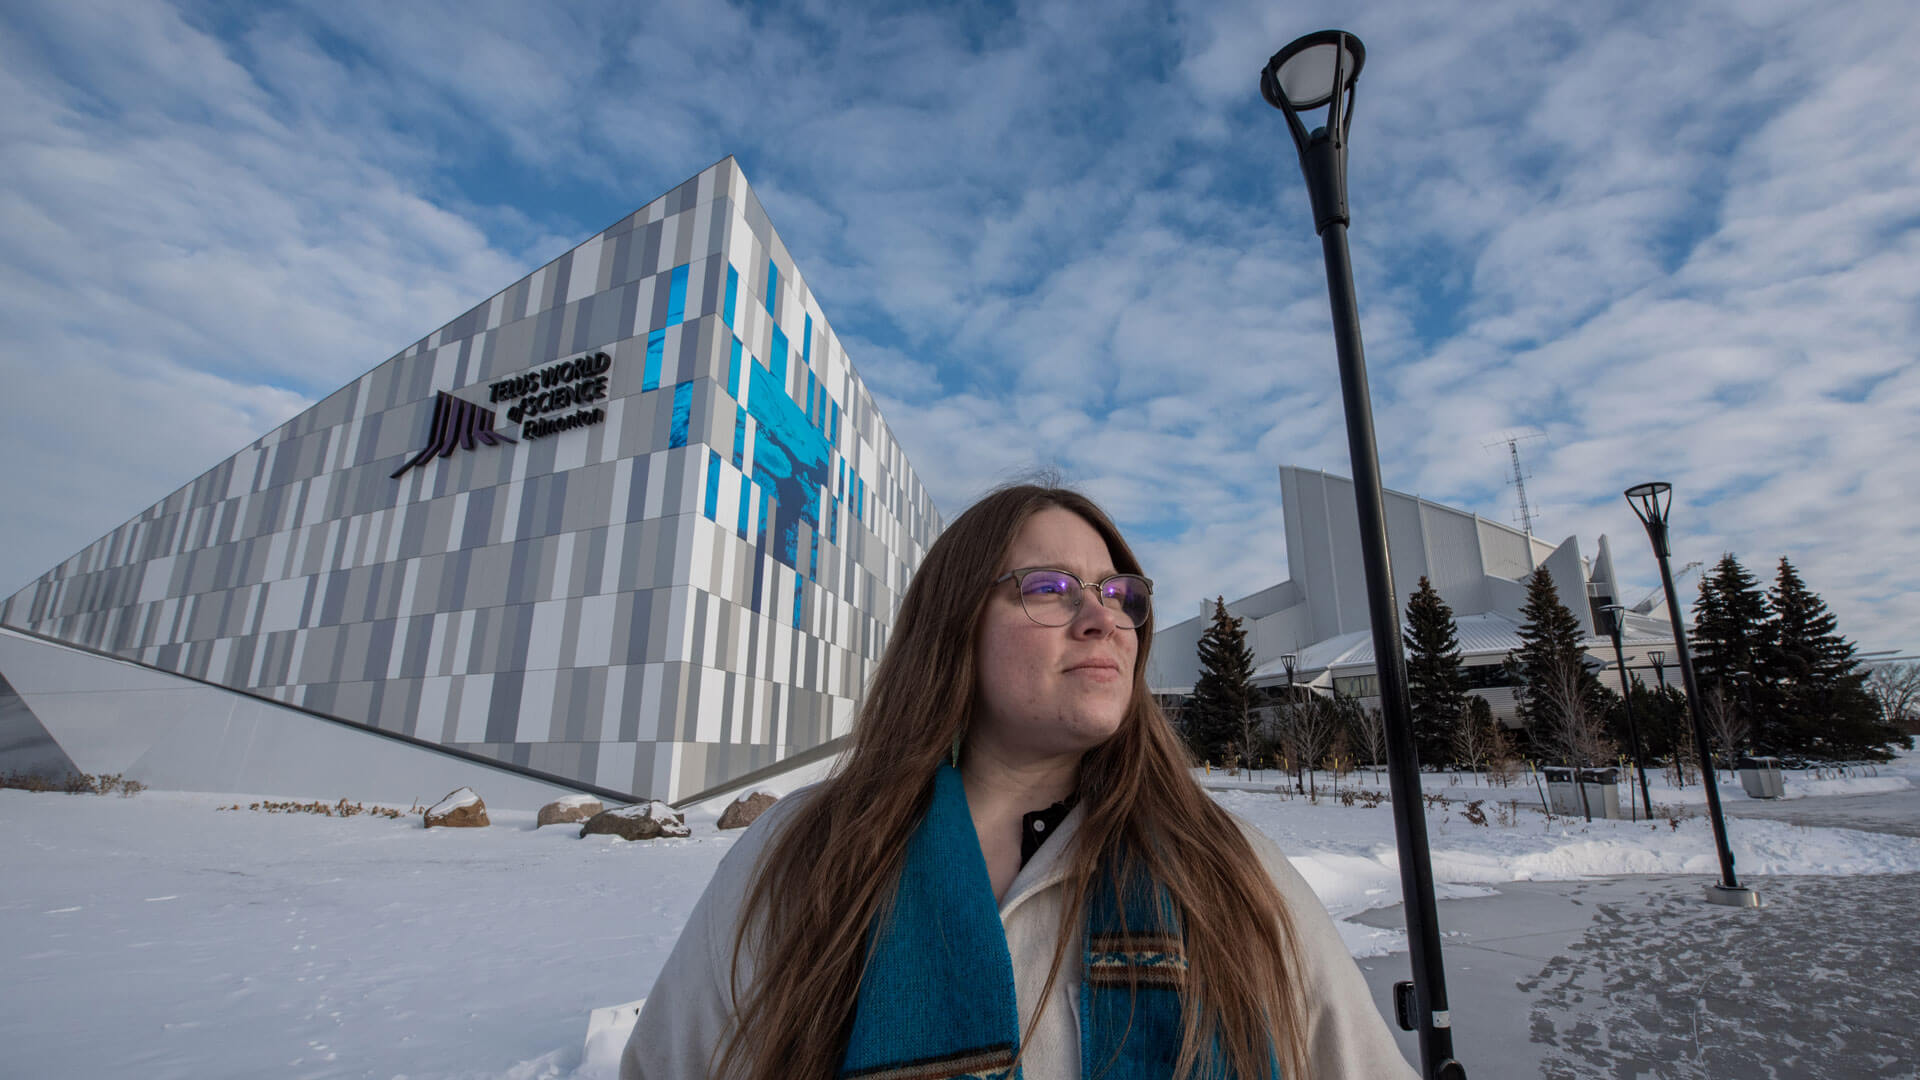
(1013, 866)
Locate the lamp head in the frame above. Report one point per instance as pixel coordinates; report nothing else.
(1309, 72)
(1318, 70)
(1616, 619)
(1651, 501)
(1657, 657)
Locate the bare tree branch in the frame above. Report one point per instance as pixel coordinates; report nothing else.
(1897, 688)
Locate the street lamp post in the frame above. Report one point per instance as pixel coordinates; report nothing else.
(1617, 627)
(1289, 660)
(1650, 503)
(1744, 679)
(1314, 71)
(1658, 658)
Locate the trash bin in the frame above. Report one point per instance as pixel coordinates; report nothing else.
(1761, 777)
(1602, 792)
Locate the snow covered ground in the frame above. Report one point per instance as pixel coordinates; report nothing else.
(160, 936)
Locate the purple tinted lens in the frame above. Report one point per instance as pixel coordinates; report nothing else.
(1129, 596)
(1041, 584)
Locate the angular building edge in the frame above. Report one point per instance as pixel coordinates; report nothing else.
(1318, 616)
(674, 566)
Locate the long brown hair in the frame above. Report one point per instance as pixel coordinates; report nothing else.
(830, 871)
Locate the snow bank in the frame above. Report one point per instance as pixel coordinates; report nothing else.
(294, 944)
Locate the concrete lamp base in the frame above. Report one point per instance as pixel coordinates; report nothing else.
(1739, 896)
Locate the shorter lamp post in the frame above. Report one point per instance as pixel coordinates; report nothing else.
(1744, 679)
(1288, 660)
(1616, 628)
(1658, 658)
(1651, 503)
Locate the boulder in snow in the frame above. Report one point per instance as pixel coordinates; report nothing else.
(461, 809)
(641, 821)
(569, 808)
(742, 811)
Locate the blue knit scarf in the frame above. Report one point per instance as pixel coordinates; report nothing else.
(937, 1001)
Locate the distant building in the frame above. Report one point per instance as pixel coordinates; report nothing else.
(1479, 567)
(633, 523)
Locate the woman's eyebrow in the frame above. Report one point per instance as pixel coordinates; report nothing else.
(1076, 571)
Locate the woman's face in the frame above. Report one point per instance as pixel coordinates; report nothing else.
(1045, 691)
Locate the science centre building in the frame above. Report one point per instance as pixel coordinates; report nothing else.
(1313, 629)
(631, 525)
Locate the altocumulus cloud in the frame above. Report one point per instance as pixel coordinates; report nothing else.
(1682, 244)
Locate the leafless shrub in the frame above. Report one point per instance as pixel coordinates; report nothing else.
(74, 783)
(343, 808)
(27, 781)
(1475, 739)
(1897, 688)
(1574, 729)
(1370, 736)
(1726, 723)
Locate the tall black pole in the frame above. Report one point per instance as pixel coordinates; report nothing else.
(1657, 532)
(1633, 729)
(1323, 160)
(1383, 612)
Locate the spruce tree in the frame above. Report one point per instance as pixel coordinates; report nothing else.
(1549, 638)
(1436, 685)
(1825, 710)
(1729, 627)
(1222, 695)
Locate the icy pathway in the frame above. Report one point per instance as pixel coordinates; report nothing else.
(1641, 977)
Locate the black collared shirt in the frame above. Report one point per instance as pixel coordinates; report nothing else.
(1040, 824)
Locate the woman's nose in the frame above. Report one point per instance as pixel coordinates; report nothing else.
(1095, 619)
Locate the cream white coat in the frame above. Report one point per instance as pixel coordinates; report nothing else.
(689, 1011)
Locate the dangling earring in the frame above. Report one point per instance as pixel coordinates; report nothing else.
(955, 756)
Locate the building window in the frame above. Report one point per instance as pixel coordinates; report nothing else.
(1487, 676)
(1357, 686)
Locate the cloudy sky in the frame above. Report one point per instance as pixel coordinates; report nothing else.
(1680, 241)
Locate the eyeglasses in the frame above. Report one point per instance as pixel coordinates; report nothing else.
(1052, 597)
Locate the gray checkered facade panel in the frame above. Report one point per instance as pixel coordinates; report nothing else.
(694, 584)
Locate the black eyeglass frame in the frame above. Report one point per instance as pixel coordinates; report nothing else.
(1018, 576)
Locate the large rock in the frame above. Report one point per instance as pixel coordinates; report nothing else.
(742, 811)
(461, 809)
(569, 808)
(641, 821)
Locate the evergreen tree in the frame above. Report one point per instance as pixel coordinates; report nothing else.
(1729, 628)
(1549, 640)
(1824, 710)
(1660, 715)
(1436, 684)
(1222, 696)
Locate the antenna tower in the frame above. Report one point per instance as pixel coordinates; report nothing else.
(1519, 481)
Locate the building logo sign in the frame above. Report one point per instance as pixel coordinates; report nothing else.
(539, 400)
(456, 422)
